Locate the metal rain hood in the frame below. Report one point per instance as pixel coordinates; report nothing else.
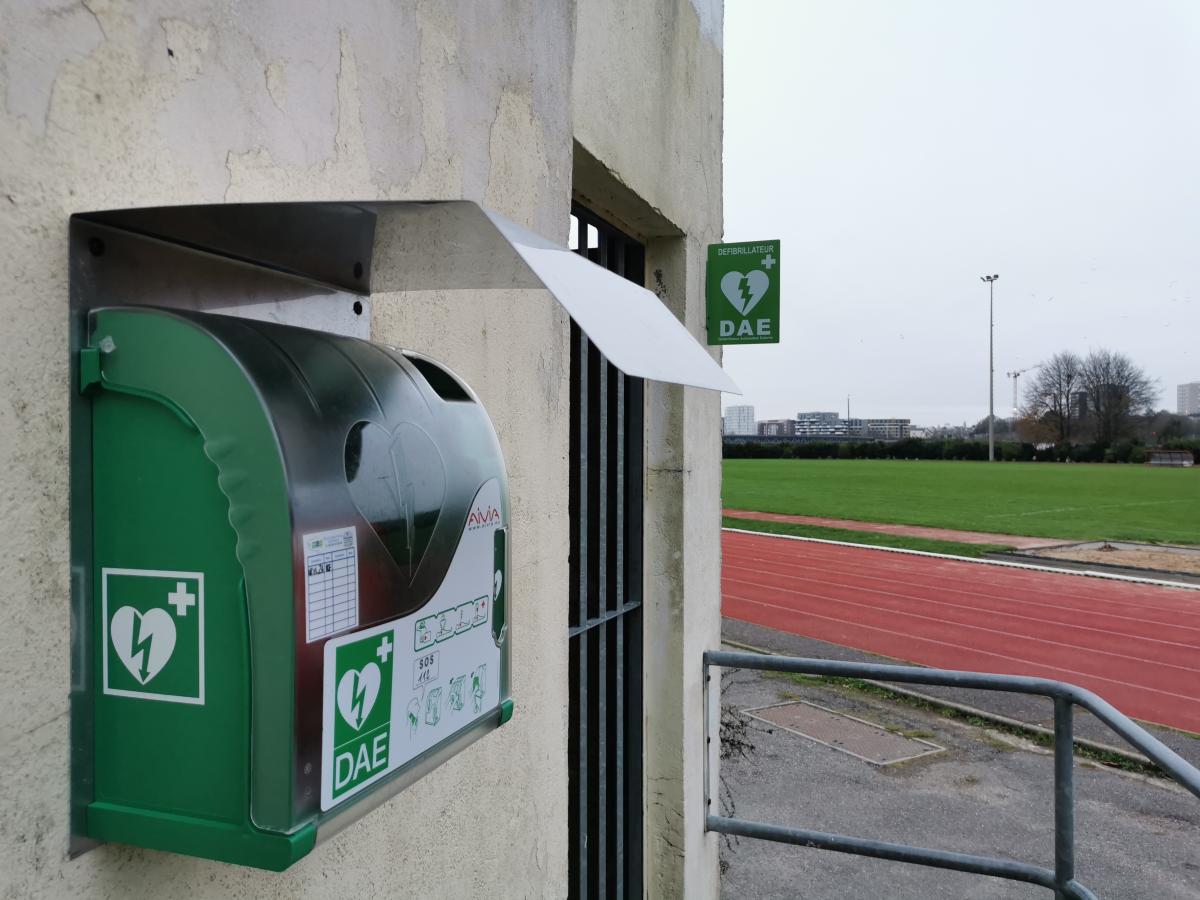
(630, 325)
(392, 246)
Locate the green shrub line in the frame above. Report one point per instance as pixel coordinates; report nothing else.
(1123, 451)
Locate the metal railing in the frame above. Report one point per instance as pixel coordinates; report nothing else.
(1061, 879)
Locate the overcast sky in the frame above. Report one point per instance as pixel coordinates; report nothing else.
(900, 149)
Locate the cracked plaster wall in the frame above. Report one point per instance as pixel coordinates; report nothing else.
(108, 104)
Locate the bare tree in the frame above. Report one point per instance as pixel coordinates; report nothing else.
(1037, 431)
(1051, 397)
(1117, 390)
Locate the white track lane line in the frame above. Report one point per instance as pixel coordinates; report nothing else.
(908, 614)
(959, 647)
(1083, 573)
(898, 575)
(975, 610)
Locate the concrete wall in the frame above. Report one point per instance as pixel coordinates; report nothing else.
(118, 104)
(652, 160)
(112, 105)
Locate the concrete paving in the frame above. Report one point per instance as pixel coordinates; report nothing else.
(990, 793)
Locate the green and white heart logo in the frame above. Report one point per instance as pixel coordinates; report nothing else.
(153, 633)
(357, 707)
(356, 694)
(144, 641)
(741, 293)
(744, 291)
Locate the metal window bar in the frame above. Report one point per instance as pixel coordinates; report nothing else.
(605, 618)
(1061, 879)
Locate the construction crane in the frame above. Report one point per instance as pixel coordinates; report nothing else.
(1015, 376)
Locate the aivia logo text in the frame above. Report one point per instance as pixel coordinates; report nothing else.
(481, 517)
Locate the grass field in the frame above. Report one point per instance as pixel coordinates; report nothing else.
(1074, 502)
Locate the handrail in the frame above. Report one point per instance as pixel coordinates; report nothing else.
(1062, 878)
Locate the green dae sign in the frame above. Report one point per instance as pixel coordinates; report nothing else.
(153, 633)
(743, 293)
(362, 725)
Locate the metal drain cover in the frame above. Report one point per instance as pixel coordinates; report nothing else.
(838, 731)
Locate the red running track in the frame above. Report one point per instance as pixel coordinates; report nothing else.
(1136, 645)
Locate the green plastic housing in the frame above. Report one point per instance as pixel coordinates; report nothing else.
(218, 444)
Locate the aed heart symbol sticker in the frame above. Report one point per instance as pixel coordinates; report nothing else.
(144, 641)
(356, 694)
(744, 291)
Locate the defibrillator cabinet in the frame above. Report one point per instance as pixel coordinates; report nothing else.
(297, 584)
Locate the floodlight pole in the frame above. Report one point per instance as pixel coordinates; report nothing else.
(991, 281)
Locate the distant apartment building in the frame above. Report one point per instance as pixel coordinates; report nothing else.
(738, 420)
(777, 428)
(888, 429)
(1079, 405)
(818, 416)
(814, 426)
(1189, 399)
(832, 426)
(821, 425)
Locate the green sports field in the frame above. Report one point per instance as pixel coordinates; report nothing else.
(1062, 500)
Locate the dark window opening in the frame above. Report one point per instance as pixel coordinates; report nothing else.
(605, 633)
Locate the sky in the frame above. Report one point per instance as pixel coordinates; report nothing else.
(900, 149)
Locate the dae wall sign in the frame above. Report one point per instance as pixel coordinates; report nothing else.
(743, 293)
